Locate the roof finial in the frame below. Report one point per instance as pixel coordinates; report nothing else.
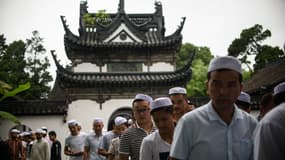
(122, 6)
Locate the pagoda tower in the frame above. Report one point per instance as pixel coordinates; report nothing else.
(115, 58)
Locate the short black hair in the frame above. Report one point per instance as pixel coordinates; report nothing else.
(52, 133)
(266, 99)
(242, 104)
(279, 98)
(219, 70)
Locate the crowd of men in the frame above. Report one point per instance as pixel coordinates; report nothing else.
(170, 128)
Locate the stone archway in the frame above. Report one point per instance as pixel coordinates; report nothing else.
(122, 111)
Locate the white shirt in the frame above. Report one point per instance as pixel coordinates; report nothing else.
(154, 148)
(75, 144)
(269, 142)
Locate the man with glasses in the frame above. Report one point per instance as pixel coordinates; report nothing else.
(131, 140)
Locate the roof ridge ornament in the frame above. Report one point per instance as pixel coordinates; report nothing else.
(121, 8)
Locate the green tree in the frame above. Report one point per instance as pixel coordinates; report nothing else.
(37, 65)
(248, 44)
(196, 87)
(266, 55)
(12, 64)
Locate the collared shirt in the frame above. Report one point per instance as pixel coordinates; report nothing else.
(269, 140)
(92, 142)
(75, 144)
(153, 147)
(202, 134)
(131, 141)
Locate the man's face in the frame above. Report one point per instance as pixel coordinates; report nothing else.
(74, 130)
(163, 121)
(179, 103)
(97, 127)
(120, 128)
(223, 88)
(141, 111)
(39, 136)
(52, 137)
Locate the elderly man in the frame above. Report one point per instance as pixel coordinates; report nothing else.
(218, 130)
(40, 149)
(156, 146)
(178, 96)
(269, 141)
(131, 140)
(93, 141)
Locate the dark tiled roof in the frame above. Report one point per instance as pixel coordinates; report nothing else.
(109, 80)
(265, 79)
(148, 28)
(34, 107)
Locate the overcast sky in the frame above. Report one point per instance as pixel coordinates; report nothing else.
(211, 23)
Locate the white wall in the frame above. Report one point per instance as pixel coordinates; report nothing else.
(82, 110)
(161, 66)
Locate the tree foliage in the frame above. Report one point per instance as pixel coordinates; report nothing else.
(196, 87)
(37, 65)
(26, 62)
(250, 44)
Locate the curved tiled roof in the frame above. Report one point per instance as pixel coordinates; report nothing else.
(266, 78)
(108, 80)
(34, 107)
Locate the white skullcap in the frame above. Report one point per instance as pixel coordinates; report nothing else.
(225, 62)
(15, 131)
(120, 120)
(160, 102)
(177, 90)
(72, 122)
(97, 120)
(244, 97)
(279, 88)
(143, 97)
(39, 130)
(44, 127)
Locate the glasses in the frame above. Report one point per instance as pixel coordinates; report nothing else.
(141, 110)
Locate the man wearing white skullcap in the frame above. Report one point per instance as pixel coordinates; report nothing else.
(131, 140)
(269, 142)
(74, 143)
(178, 96)
(40, 149)
(118, 127)
(156, 146)
(218, 129)
(243, 102)
(15, 147)
(121, 126)
(93, 141)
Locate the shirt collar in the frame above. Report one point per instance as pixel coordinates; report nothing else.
(212, 114)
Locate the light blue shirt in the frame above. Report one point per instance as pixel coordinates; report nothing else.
(202, 134)
(92, 142)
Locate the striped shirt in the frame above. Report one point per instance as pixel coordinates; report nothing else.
(131, 141)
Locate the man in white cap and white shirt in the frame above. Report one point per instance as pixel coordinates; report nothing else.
(178, 96)
(40, 149)
(218, 130)
(156, 146)
(131, 140)
(93, 141)
(243, 102)
(74, 143)
(118, 127)
(121, 124)
(269, 142)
